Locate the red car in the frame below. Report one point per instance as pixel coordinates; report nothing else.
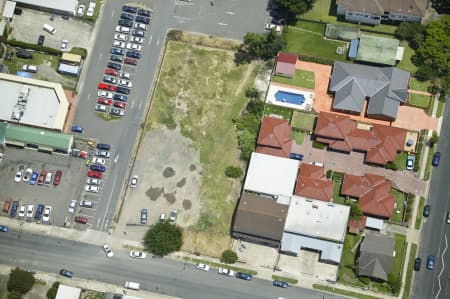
(106, 86)
(119, 104)
(130, 61)
(82, 220)
(104, 101)
(42, 177)
(57, 178)
(111, 72)
(95, 174)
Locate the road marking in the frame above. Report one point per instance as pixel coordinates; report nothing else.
(443, 267)
(230, 13)
(222, 24)
(140, 106)
(110, 198)
(100, 56)
(157, 42)
(106, 224)
(113, 13)
(150, 40)
(98, 222)
(89, 95)
(116, 158)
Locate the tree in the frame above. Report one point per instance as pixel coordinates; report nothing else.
(15, 295)
(251, 92)
(292, 8)
(414, 33)
(163, 238)
(434, 139)
(255, 107)
(395, 283)
(259, 46)
(51, 293)
(233, 172)
(229, 257)
(246, 142)
(20, 281)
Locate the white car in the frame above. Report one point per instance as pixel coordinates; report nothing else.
(101, 108)
(81, 9)
(121, 37)
(122, 29)
(27, 175)
(18, 177)
(133, 181)
(92, 188)
(90, 11)
(64, 44)
(118, 44)
(93, 181)
(125, 75)
(108, 251)
(97, 160)
(271, 26)
(72, 206)
(225, 271)
(105, 94)
(140, 26)
(138, 254)
(47, 212)
(100, 153)
(30, 211)
(202, 267)
(123, 82)
(136, 47)
(22, 212)
(136, 39)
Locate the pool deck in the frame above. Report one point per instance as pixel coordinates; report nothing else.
(274, 87)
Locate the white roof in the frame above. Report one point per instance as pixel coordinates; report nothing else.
(66, 292)
(374, 223)
(67, 6)
(46, 103)
(8, 12)
(271, 175)
(318, 219)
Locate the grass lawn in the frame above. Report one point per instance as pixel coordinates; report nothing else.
(286, 113)
(440, 109)
(16, 63)
(427, 173)
(346, 270)
(416, 84)
(199, 91)
(400, 205)
(419, 100)
(419, 212)
(342, 292)
(303, 120)
(399, 258)
(301, 78)
(406, 63)
(298, 137)
(409, 273)
(337, 183)
(307, 42)
(286, 279)
(400, 160)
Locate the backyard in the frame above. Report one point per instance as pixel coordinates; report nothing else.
(303, 120)
(301, 78)
(285, 113)
(199, 91)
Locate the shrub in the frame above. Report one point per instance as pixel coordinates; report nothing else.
(79, 51)
(252, 92)
(15, 295)
(51, 293)
(329, 173)
(20, 281)
(355, 211)
(391, 166)
(229, 257)
(320, 60)
(318, 145)
(163, 238)
(24, 45)
(233, 172)
(395, 283)
(364, 279)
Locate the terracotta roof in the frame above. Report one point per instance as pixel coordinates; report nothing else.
(381, 143)
(260, 216)
(286, 64)
(287, 58)
(274, 137)
(373, 192)
(312, 183)
(355, 226)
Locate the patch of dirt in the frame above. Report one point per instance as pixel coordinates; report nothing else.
(244, 80)
(168, 172)
(154, 193)
(170, 197)
(187, 204)
(181, 183)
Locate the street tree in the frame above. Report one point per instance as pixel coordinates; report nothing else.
(163, 238)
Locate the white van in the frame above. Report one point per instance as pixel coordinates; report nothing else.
(48, 178)
(132, 285)
(49, 29)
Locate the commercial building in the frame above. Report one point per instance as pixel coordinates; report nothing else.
(66, 7)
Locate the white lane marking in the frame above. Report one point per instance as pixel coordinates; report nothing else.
(116, 158)
(157, 42)
(222, 24)
(230, 13)
(98, 222)
(100, 56)
(443, 267)
(113, 13)
(110, 198)
(106, 224)
(140, 106)
(150, 40)
(84, 215)
(89, 95)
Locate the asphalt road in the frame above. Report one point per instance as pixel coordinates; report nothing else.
(435, 236)
(48, 254)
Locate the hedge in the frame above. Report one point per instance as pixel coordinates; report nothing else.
(79, 51)
(318, 145)
(24, 45)
(315, 59)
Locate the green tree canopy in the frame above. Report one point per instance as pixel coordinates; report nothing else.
(414, 33)
(229, 257)
(233, 171)
(20, 281)
(259, 46)
(163, 238)
(15, 295)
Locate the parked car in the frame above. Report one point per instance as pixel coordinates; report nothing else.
(101, 108)
(30, 211)
(22, 212)
(436, 159)
(92, 188)
(117, 51)
(111, 72)
(142, 19)
(24, 54)
(95, 167)
(202, 267)
(72, 206)
(125, 75)
(244, 276)
(80, 219)
(86, 204)
(136, 39)
(134, 54)
(130, 61)
(145, 13)
(448, 217)
(417, 264)
(4, 228)
(76, 129)
(296, 156)
(98, 160)
(118, 44)
(139, 33)
(29, 68)
(118, 112)
(144, 216)
(131, 46)
(18, 176)
(103, 101)
(138, 254)
(105, 94)
(39, 211)
(14, 207)
(81, 9)
(173, 215)
(426, 210)
(47, 213)
(430, 262)
(140, 26)
(64, 44)
(126, 16)
(7, 205)
(110, 79)
(410, 162)
(66, 273)
(162, 217)
(115, 66)
(130, 9)
(34, 178)
(108, 251)
(100, 153)
(124, 90)
(226, 272)
(126, 23)
(123, 82)
(103, 146)
(122, 29)
(95, 174)
(41, 40)
(120, 97)
(27, 175)
(93, 181)
(57, 178)
(119, 104)
(105, 86)
(120, 37)
(117, 58)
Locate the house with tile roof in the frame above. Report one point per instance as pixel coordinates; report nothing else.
(376, 256)
(384, 89)
(286, 64)
(274, 137)
(373, 12)
(313, 183)
(373, 193)
(380, 143)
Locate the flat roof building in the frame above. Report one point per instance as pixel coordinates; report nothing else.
(67, 7)
(33, 102)
(66, 292)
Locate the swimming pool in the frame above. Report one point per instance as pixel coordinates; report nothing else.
(289, 97)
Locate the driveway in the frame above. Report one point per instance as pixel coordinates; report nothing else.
(353, 163)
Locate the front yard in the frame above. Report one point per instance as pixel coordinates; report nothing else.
(419, 100)
(399, 209)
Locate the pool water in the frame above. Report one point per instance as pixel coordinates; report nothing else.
(289, 97)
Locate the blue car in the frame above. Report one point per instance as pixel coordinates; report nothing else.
(144, 216)
(66, 273)
(133, 54)
(117, 51)
(126, 23)
(126, 16)
(95, 167)
(34, 177)
(141, 19)
(120, 97)
(145, 13)
(3, 228)
(296, 156)
(14, 207)
(281, 284)
(436, 159)
(130, 9)
(77, 129)
(39, 211)
(430, 262)
(245, 276)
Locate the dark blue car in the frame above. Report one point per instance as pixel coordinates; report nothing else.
(14, 207)
(133, 54)
(39, 211)
(145, 13)
(117, 51)
(77, 129)
(296, 156)
(144, 20)
(130, 9)
(4, 228)
(245, 276)
(120, 97)
(66, 273)
(281, 284)
(126, 23)
(115, 66)
(95, 167)
(436, 159)
(126, 16)
(430, 262)
(34, 177)
(144, 216)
